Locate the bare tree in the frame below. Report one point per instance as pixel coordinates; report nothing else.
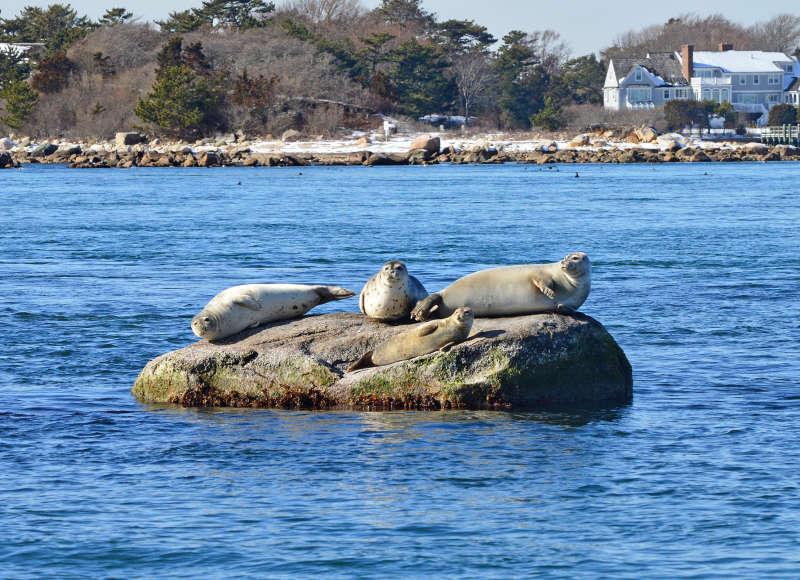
(473, 76)
(779, 34)
(321, 11)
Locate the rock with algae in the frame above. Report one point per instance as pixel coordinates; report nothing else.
(535, 361)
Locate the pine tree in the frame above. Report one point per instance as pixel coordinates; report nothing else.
(178, 102)
(420, 85)
(114, 16)
(19, 100)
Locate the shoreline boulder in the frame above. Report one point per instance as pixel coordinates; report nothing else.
(523, 362)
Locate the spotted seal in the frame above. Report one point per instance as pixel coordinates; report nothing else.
(249, 305)
(424, 339)
(391, 293)
(513, 290)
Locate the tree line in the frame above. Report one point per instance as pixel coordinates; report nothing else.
(247, 65)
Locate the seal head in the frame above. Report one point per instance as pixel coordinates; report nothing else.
(391, 293)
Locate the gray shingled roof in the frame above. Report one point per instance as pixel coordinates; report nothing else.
(663, 64)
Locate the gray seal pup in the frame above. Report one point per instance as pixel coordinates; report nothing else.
(391, 293)
(250, 305)
(424, 339)
(514, 290)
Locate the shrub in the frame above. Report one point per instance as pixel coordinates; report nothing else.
(784, 114)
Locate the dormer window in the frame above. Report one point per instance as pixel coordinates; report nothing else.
(638, 74)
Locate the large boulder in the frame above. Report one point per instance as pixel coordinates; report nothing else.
(44, 150)
(581, 140)
(290, 135)
(646, 134)
(535, 361)
(125, 139)
(6, 162)
(426, 142)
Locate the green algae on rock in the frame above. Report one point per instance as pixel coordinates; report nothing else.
(521, 362)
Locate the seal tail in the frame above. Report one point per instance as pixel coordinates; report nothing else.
(331, 293)
(362, 363)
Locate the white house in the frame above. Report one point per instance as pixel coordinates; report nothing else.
(752, 81)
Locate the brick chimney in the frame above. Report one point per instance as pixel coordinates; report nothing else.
(725, 47)
(687, 60)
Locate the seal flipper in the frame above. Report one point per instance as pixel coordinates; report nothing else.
(362, 363)
(426, 307)
(248, 302)
(331, 293)
(427, 329)
(543, 288)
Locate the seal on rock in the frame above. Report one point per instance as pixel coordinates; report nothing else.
(250, 305)
(391, 293)
(424, 339)
(513, 290)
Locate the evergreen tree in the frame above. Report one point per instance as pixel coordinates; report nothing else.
(783, 114)
(684, 113)
(549, 117)
(580, 81)
(115, 16)
(57, 27)
(376, 49)
(522, 81)
(458, 37)
(13, 65)
(420, 85)
(19, 100)
(170, 55)
(405, 13)
(182, 22)
(240, 14)
(178, 103)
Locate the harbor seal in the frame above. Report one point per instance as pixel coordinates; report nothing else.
(424, 339)
(513, 290)
(391, 293)
(250, 305)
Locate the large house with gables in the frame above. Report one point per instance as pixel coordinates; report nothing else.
(752, 81)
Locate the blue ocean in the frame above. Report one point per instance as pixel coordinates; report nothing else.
(696, 275)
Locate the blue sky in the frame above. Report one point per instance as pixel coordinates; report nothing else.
(586, 25)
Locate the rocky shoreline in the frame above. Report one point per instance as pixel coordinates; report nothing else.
(132, 150)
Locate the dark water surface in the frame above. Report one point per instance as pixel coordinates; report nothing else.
(696, 274)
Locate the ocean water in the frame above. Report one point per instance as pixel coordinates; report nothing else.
(696, 274)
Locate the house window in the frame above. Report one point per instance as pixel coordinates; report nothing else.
(681, 93)
(706, 94)
(742, 80)
(736, 98)
(773, 80)
(755, 79)
(774, 98)
(636, 95)
(666, 94)
(724, 95)
(638, 75)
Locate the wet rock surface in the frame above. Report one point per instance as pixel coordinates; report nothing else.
(535, 361)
